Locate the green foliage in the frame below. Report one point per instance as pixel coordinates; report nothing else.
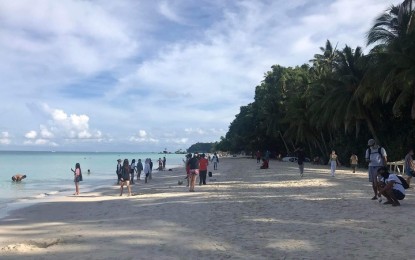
(339, 101)
(202, 148)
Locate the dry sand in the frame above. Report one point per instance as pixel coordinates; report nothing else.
(246, 213)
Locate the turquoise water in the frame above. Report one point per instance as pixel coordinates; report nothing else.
(49, 173)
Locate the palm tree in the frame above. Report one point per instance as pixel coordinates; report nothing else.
(393, 58)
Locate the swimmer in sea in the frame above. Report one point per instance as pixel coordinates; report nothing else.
(18, 177)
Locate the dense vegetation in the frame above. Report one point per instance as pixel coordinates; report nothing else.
(201, 148)
(339, 100)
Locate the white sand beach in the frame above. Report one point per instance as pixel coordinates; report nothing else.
(246, 213)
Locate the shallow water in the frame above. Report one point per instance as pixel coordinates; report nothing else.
(49, 173)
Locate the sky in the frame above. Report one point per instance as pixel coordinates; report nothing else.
(152, 75)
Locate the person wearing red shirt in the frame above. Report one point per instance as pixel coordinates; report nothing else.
(203, 164)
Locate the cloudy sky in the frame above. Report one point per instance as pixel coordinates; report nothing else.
(145, 75)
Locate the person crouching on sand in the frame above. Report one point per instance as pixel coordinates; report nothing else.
(391, 187)
(125, 177)
(18, 177)
(77, 177)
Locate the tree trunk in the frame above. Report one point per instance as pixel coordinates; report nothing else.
(413, 104)
(285, 144)
(371, 129)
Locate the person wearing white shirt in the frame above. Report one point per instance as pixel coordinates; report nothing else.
(391, 187)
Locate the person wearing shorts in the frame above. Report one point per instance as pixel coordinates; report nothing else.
(391, 187)
(125, 177)
(194, 171)
(376, 157)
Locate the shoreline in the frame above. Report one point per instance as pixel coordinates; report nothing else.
(246, 213)
(50, 196)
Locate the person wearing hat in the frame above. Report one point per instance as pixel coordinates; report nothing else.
(376, 157)
(18, 177)
(118, 171)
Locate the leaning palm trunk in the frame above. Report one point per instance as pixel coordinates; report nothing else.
(371, 128)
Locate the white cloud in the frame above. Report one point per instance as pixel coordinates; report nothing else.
(40, 142)
(5, 138)
(194, 131)
(31, 134)
(142, 133)
(72, 126)
(166, 10)
(159, 73)
(45, 133)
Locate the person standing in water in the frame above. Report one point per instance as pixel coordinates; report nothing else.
(139, 169)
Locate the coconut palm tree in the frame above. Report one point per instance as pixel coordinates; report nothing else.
(393, 58)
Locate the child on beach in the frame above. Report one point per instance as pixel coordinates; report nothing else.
(77, 177)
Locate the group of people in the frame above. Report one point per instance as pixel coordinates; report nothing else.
(197, 165)
(126, 172)
(265, 159)
(383, 182)
(162, 164)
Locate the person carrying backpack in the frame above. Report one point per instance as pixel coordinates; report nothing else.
(376, 157)
(391, 186)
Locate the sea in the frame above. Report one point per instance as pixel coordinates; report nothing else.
(49, 173)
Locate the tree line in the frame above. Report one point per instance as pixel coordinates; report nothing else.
(339, 100)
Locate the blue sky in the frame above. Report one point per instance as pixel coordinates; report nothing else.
(147, 75)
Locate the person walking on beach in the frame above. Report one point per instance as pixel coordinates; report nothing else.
(333, 163)
(300, 159)
(194, 171)
(164, 162)
(215, 161)
(125, 177)
(353, 162)
(77, 177)
(258, 156)
(376, 157)
(118, 171)
(132, 171)
(203, 166)
(147, 169)
(409, 165)
(139, 169)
